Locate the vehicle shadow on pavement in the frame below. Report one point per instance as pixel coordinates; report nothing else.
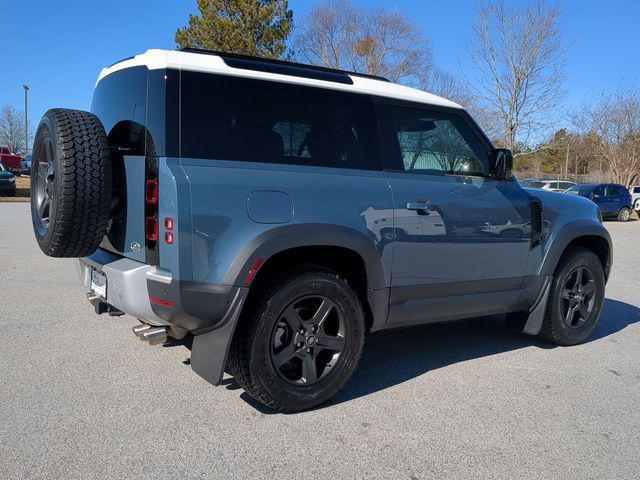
(393, 357)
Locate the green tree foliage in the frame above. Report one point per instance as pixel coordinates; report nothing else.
(258, 28)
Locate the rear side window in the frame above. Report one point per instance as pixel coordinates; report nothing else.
(636, 189)
(239, 119)
(613, 190)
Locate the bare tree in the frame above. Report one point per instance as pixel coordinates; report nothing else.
(447, 85)
(612, 124)
(519, 57)
(336, 34)
(12, 129)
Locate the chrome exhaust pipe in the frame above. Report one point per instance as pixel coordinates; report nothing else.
(155, 336)
(138, 330)
(93, 298)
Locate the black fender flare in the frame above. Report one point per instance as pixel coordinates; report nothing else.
(279, 239)
(567, 234)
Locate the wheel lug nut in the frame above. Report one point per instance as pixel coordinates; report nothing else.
(302, 331)
(308, 350)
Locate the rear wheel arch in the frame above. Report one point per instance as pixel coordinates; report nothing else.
(348, 252)
(315, 238)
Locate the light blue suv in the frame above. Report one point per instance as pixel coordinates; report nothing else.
(278, 212)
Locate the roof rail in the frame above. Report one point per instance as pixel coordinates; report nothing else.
(284, 67)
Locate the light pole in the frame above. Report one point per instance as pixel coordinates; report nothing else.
(26, 121)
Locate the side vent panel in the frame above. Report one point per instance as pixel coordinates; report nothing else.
(537, 229)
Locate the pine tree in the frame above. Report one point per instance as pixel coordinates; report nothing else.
(258, 28)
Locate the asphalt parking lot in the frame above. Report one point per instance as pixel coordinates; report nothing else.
(80, 397)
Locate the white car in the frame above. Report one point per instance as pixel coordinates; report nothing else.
(553, 185)
(635, 197)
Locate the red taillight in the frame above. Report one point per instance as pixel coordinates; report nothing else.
(151, 229)
(151, 192)
(168, 238)
(168, 223)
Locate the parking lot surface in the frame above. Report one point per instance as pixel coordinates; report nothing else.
(80, 397)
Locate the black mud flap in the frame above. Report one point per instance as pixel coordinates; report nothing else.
(533, 326)
(209, 350)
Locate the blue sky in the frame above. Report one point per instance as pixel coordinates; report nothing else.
(58, 48)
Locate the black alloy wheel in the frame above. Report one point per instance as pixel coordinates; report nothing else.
(300, 339)
(308, 340)
(44, 188)
(578, 297)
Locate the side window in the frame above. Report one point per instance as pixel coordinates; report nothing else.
(432, 142)
(598, 192)
(293, 137)
(613, 190)
(240, 119)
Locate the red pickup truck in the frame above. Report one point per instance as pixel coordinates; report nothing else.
(10, 161)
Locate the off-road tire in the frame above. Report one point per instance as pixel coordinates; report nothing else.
(554, 328)
(249, 358)
(71, 163)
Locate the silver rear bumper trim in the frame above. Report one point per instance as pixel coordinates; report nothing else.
(126, 287)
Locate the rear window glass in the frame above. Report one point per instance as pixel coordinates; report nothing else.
(239, 119)
(121, 98)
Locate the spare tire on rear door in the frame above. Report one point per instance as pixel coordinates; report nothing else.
(71, 183)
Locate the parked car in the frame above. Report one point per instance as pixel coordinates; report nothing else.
(7, 182)
(9, 160)
(25, 165)
(613, 200)
(553, 185)
(278, 236)
(635, 197)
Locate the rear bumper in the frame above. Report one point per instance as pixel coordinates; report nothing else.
(155, 297)
(210, 312)
(126, 284)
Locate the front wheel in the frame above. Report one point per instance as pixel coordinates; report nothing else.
(301, 342)
(576, 298)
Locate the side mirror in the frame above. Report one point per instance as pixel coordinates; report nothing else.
(502, 161)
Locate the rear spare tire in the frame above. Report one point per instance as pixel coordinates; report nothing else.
(71, 183)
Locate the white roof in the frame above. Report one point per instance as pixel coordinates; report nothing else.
(198, 62)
